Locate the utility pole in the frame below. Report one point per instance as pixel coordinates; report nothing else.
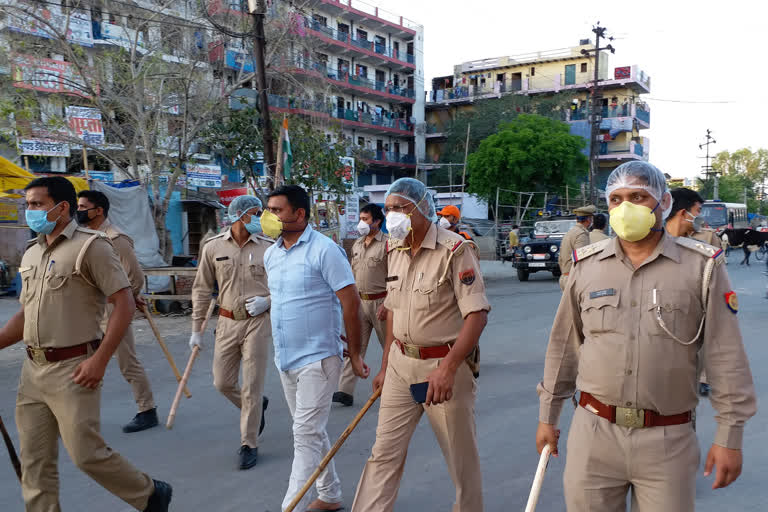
(707, 169)
(597, 115)
(258, 9)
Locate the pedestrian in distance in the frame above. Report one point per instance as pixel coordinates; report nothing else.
(635, 315)
(92, 213)
(575, 238)
(369, 266)
(68, 275)
(235, 260)
(311, 285)
(449, 219)
(436, 311)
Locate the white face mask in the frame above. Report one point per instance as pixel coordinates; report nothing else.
(363, 228)
(398, 224)
(697, 221)
(444, 223)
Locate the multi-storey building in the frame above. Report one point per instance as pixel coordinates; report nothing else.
(361, 69)
(548, 73)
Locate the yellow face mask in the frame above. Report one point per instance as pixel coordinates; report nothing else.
(271, 224)
(632, 222)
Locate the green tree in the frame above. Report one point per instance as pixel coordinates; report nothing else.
(740, 171)
(532, 153)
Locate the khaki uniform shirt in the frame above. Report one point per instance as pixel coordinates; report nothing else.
(708, 236)
(124, 246)
(431, 293)
(596, 235)
(606, 339)
(369, 264)
(576, 237)
(63, 308)
(238, 271)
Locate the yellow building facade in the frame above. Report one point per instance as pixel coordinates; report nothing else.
(624, 114)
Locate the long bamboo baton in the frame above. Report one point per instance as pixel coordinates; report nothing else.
(538, 480)
(188, 371)
(332, 452)
(168, 356)
(11, 450)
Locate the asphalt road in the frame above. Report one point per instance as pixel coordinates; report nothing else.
(199, 455)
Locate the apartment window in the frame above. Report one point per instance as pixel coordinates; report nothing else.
(583, 67)
(533, 71)
(320, 20)
(361, 141)
(362, 35)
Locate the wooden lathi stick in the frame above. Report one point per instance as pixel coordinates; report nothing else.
(163, 346)
(296, 499)
(187, 371)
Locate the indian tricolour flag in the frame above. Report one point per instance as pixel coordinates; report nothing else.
(287, 154)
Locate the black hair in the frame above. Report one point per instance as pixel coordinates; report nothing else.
(684, 199)
(59, 189)
(374, 211)
(98, 199)
(297, 197)
(599, 221)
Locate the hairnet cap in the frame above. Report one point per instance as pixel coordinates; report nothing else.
(639, 175)
(585, 211)
(416, 192)
(450, 210)
(242, 204)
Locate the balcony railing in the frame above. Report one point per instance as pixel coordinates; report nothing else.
(633, 148)
(356, 80)
(322, 107)
(641, 112)
(363, 44)
(394, 157)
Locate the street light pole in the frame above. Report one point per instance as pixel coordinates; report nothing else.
(708, 168)
(258, 8)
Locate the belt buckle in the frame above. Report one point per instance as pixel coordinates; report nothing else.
(364, 296)
(412, 351)
(38, 355)
(630, 418)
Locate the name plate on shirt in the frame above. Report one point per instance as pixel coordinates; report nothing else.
(608, 292)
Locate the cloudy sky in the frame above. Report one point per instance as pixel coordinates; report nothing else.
(706, 59)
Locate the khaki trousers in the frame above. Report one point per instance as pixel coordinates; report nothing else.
(453, 423)
(247, 342)
(604, 461)
(132, 370)
(49, 405)
(369, 323)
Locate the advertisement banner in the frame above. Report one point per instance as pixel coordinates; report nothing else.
(43, 147)
(227, 196)
(47, 75)
(76, 23)
(105, 176)
(121, 34)
(208, 176)
(9, 213)
(85, 124)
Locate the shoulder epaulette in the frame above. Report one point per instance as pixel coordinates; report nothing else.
(260, 237)
(31, 242)
(702, 248)
(91, 231)
(590, 250)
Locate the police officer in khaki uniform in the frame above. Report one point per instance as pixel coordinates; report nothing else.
(627, 334)
(235, 260)
(437, 312)
(68, 275)
(92, 212)
(685, 217)
(577, 236)
(369, 266)
(597, 233)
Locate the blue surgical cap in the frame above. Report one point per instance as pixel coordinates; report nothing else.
(242, 204)
(416, 192)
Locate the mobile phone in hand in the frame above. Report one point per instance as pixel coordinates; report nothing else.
(419, 392)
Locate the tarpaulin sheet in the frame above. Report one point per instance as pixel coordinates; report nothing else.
(129, 211)
(13, 177)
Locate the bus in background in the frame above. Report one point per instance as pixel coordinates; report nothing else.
(719, 215)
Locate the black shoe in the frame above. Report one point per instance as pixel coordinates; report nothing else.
(264, 405)
(248, 456)
(161, 498)
(343, 398)
(142, 421)
(704, 389)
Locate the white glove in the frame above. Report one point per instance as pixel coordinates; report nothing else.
(257, 305)
(196, 340)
